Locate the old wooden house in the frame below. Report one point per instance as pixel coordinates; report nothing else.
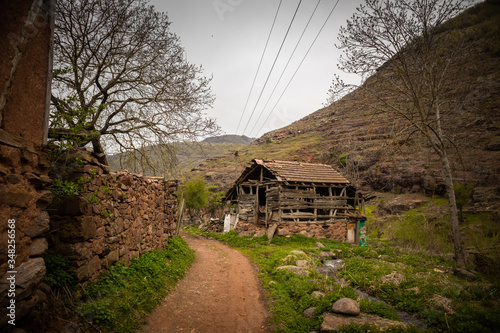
(297, 194)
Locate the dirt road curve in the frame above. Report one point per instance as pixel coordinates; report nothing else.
(220, 293)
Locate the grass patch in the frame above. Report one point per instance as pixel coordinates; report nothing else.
(120, 301)
(407, 281)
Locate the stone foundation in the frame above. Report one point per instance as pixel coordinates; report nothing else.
(336, 230)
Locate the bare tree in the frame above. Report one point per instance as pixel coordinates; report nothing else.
(122, 80)
(406, 39)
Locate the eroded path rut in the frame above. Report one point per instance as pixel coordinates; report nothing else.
(220, 293)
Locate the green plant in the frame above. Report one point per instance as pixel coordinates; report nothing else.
(214, 200)
(93, 198)
(343, 160)
(462, 195)
(59, 273)
(378, 308)
(195, 193)
(120, 300)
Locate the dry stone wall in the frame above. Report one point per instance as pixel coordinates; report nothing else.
(23, 215)
(117, 217)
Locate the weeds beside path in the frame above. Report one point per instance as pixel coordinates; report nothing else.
(220, 293)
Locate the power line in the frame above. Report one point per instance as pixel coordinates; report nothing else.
(286, 66)
(272, 67)
(310, 47)
(258, 68)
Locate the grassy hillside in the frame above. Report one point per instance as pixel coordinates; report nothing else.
(184, 156)
(351, 127)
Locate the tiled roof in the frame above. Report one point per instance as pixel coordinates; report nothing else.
(303, 172)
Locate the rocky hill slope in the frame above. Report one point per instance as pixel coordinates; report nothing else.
(185, 155)
(375, 159)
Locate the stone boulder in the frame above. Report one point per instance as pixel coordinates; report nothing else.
(317, 294)
(464, 274)
(294, 269)
(259, 233)
(346, 306)
(327, 255)
(332, 322)
(309, 313)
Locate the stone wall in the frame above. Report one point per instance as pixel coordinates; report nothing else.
(336, 231)
(23, 201)
(116, 218)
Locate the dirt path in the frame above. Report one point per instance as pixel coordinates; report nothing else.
(220, 293)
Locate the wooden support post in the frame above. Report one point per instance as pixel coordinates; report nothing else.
(267, 212)
(256, 214)
(330, 194)
(314, 203)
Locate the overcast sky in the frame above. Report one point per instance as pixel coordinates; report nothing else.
(227, 37)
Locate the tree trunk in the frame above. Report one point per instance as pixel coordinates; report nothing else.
(455, 229)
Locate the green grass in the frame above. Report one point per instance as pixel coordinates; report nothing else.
(444, 302)
(120, 301)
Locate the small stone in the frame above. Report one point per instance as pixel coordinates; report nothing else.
(39, 225)
(464, 274)
(259, 233)
(29, 275)
(38, 246)
(14, 196)
(45, 288)
(13, 178)
(309, 313)
(44, 199)
(297, 252)
(346, 306)
(302, 263)
(317, 294)
(305, 233)
(320, 245)
(283, 232)
(294, 269)
(34, 179)
(332, 322)
(327, 255)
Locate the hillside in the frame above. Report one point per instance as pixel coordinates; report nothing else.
(186, 155)
(377, 161)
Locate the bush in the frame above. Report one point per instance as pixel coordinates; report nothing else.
(195, 193)
(59, 273)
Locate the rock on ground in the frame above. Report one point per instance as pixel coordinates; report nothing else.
(309, 312)
(346, 306)
(332, 322)
(295, 270)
